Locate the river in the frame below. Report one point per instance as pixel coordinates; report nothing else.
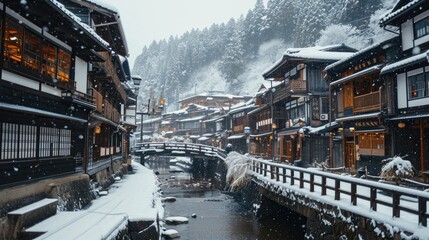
(218, 215)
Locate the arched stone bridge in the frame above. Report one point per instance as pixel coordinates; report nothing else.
(180, 149)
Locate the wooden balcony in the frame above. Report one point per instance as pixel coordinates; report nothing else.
(294, 86)
(79, 97)
(111, 73)
(98, 101)
(367, 102)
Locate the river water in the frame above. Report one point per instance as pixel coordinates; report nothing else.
(218, 215)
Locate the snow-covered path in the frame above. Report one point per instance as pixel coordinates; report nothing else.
(134, 198)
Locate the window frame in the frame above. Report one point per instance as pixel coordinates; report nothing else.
(413, 91)
(424, 29)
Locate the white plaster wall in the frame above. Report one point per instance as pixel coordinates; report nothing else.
(402, 90)
(81, 75)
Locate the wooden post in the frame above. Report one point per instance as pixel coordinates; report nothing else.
(301, 179)
(422, 148)
(277, 174)
(337, 189)
(422, 212)
(353, 194)
(292, 177)
(284, 175)
(323, 185)
(311, 182)
(395, 204)
(373, 199)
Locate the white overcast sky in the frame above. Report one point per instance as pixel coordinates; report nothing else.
(148, 20)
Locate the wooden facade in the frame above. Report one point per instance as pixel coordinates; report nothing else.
(409, 117)
(300, 102)
(359, 99)
(49, 94)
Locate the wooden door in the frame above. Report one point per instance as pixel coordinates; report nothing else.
(350, 161)
(289, 150)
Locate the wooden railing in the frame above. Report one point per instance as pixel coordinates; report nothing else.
(111, 73)
(89, 99)
(98, 101)
(186, 148)
(294, 86)
(344, 187)
(367, 102)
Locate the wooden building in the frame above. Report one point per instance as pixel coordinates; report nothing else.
(360, 100)
(45, 102)
(301, 102)
(213, 100)
(240, 128)
(409, 119)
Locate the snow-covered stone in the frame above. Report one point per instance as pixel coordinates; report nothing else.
(176, 220)
(103, 193)
(169, 199)
(171, 233)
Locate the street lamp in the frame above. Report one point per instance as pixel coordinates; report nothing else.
(137, 80)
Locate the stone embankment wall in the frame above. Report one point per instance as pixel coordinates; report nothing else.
(326, 221)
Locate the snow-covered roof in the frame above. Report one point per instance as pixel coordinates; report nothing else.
(353, 55)
(242, 108)
(214, 95)
(79, 22)
(152, 120)
(364, 72)
(316, 53)
(405, 62)
(396, 12)
(104, 4)
(326, 127)
(191, 119)
(359, 116)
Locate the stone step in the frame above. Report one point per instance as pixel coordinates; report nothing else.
(29, 215)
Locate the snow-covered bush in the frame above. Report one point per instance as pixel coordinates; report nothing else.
(396, 169)
(238, 170)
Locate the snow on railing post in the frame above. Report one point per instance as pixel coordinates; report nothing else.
(323, 186)
(373, 198)
(353, 195)
(265, 169)
(395, 204)
(337, 189)
(422, 212)
(284, 174)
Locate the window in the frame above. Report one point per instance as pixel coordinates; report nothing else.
(371, 143)
(64, 63)
(13, 42)
(49, 60)
(32, 51)
(417, 86)
(421, 28)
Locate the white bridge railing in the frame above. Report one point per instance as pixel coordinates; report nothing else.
(185, 148)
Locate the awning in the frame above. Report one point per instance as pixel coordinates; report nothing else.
(288, 132)
(419, 58)
(356, 117)
(23, 109)
(409, 117)
(372, 130)
(208, 134)
(324, 128)
(261, 135)
(108, 121)
(373, 69)
(237, 136)
(194, 136)
(203, 139)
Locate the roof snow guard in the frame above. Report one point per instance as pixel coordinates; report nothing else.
(401, 8)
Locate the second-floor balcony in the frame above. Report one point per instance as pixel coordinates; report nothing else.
(290, 87)
(105, 108)
(367, 102)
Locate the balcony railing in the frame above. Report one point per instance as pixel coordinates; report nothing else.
(111, 73)
(98, 101)
(77, 96)
(367, 102)
(294, 86)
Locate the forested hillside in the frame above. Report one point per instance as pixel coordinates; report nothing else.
(232, 56)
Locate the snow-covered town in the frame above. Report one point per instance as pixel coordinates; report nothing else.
(294, 120)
